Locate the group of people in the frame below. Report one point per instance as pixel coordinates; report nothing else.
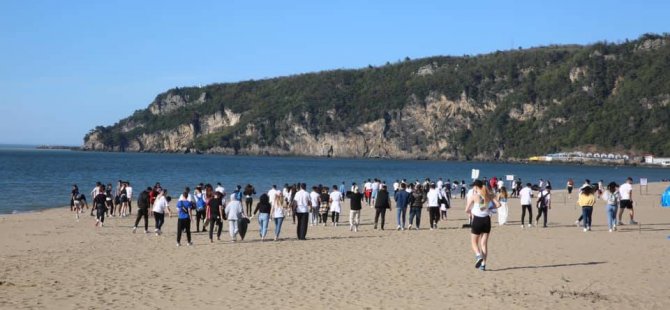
(109, 200)
(211, 205)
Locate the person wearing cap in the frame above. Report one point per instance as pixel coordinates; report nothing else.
(543, 205)
(355, 206)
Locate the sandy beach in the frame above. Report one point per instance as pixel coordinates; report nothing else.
(50, 261)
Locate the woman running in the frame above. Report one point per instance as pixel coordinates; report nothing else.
(586, 200)
(264, 207)
(277, 214)
(161, 205)
(479, 206)
(184, 207)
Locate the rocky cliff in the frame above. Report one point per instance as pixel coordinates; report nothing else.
(501, 105)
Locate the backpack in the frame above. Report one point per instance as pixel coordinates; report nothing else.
(238, 195)
(200, 202)
(542, 201)
(613, 199)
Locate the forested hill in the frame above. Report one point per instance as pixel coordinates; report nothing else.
(504, 105)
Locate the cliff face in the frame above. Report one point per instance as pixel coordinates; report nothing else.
(611, 97)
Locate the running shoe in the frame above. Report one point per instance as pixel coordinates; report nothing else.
(478, 261)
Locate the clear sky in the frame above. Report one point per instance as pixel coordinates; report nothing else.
(68, 66)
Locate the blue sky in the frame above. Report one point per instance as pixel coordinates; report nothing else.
(68, 66)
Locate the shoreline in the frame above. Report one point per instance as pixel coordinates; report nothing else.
(477, 160)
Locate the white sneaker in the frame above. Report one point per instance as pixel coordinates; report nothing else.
(610, 229)
(178, 245)
(134, 229)
(410, 226)
(397, 228)
(530, 225)
(585, 230)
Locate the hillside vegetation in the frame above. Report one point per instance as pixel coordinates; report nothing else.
(511, 104)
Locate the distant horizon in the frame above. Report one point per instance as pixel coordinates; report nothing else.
(73, 66)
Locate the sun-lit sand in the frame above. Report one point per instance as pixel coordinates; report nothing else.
(50, 261)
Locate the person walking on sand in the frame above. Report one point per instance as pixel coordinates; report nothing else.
(570, 185)
(324, 205)
(355, 206)
(433, 197)
(587, 200)
(200, 208)
(143, 210)
(185, 208)
(315, 197)
(249, 192)
(611, 196)
(525, 198)
(503, 211)
(543, 205)
(626, 194)
(382, 203)
(100, 206)
(479, 206)
(215, 215)
(264, 207)
(416, 200)
(277, 213)
(302, 207)
(234, 213)
(335, 202)
(401, 202)
(161, 205)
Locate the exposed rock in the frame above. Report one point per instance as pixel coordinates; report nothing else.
(577, 73)
(651, 44)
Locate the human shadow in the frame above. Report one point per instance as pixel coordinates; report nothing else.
(548, 266)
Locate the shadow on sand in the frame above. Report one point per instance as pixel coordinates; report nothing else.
(548, 266)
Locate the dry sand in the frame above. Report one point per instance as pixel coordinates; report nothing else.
(50, 261)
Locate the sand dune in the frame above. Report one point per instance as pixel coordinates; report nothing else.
(50, 261)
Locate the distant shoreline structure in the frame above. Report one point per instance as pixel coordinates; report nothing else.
(58, 147)
(602, 159)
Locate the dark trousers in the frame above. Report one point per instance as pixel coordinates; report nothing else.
(324, 218)
(200, 216)
(184, 224)
(249, 202)
(335, 216)
(542, 212)
(380, 212)
(415, 212)
(130, 206)
(143, 213)
(434, 216)
(100, 215)
(160, 219)
(523, 214)
(303, 221)
(219, 224)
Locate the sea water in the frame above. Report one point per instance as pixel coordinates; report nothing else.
(32, 179)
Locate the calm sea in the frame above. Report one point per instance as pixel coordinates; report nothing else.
(33, 179)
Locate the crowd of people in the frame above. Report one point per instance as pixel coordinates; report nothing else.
(210, 206)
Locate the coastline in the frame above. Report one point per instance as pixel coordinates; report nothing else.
(422, 158)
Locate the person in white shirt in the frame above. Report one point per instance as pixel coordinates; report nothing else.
(335, 203)
(543, 205)
(129, 192)
(314, 212)
(220, 189)
(433, 197)
(439, 184)
(272, 193)
(479, 207)
(161, 205)
(626, 201)
(525, 197)
(302, 207)
(234, 213)
(396, 186)
(367, 188)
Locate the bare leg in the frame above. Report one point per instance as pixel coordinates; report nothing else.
(484, 245)
(474, 241)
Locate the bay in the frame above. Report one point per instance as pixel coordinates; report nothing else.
(32, 179)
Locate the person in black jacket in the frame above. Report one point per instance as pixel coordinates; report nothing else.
(143, 210)
(264, 207)
(381, 204)
(416, 201)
